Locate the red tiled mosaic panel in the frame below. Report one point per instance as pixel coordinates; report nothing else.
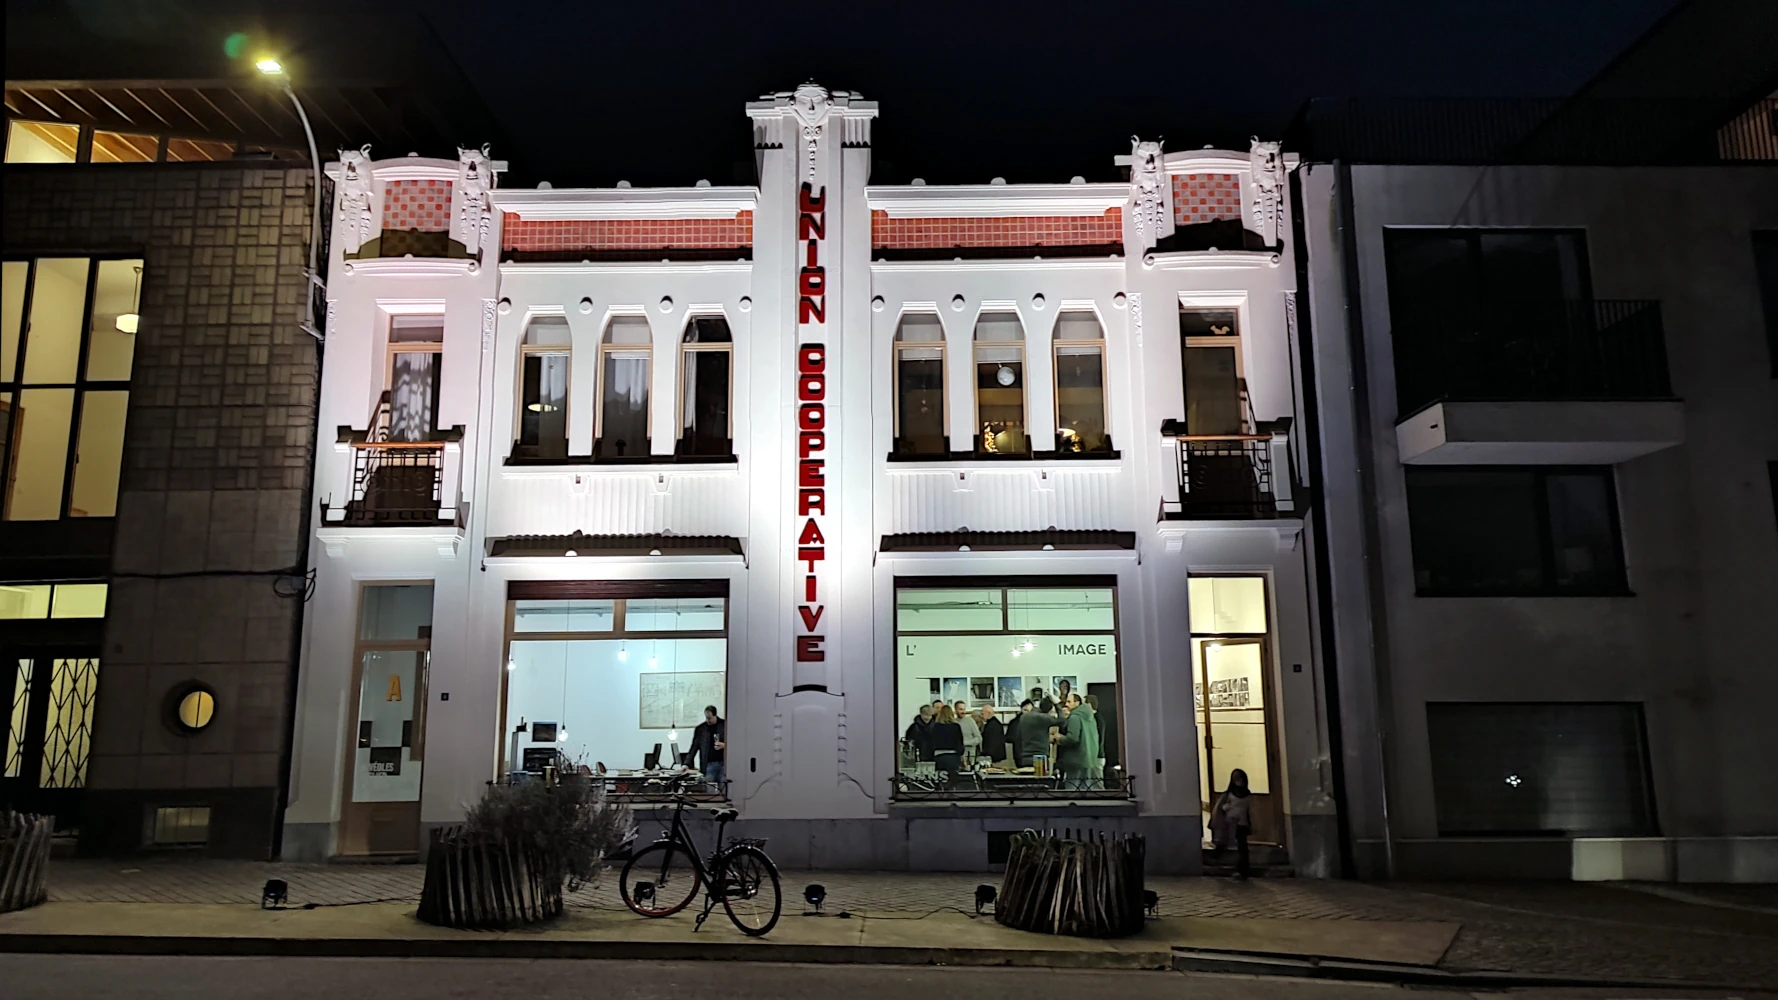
(1205, 198)
(417, 206)
(1018, 231)
(626, 234)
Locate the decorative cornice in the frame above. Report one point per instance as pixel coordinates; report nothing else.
(628, 203)
(417, 267)
(989, 201)
(1002, 264)
(629, 267)
(1210, 259)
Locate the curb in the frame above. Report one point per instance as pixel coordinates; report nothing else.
(1252, 964)
(1159, 959)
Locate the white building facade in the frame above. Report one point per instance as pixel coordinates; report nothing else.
(816, 453)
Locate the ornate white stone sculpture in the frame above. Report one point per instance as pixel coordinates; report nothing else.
(1148, 193)
(475, 179)
(355, 191)
(812, 103)
(1268, 190)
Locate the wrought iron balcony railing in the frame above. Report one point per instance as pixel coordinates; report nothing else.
(397, 482)
(1528, 351)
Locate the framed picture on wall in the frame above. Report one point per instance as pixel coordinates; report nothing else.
(981, 691)
(1009, 692)
(955, 689)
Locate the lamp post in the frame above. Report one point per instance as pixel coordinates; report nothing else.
(273, 69)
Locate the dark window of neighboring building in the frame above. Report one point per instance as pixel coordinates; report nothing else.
(1772, 473)
(1765, 262)
(1509, 314)
(67, 343)
(1503, 530)
(1540, 769)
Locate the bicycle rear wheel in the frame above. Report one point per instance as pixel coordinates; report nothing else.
(660, 880)
(750, 891)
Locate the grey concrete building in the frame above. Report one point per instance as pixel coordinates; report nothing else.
(1542, 340)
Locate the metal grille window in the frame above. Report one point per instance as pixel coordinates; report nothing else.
(1540, 769)
(180, 826)
(67, 342)
(1500, 530)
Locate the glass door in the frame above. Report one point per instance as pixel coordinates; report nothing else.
(1229, 692)
(385, 751)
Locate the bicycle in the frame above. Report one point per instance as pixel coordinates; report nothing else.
(663, 878)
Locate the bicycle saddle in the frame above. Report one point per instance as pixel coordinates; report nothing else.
(724, 815)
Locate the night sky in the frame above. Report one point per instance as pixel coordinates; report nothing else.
(593, 91)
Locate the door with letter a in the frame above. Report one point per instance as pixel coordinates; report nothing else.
(385, 750)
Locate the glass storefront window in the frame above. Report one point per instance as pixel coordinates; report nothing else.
(24, 600)
(629, 697)
(992, 648)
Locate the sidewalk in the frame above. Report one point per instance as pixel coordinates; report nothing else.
(1532, 930)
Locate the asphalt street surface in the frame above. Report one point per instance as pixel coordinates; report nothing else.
(31, 977)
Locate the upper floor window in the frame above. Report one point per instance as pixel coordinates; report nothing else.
(416, 355)
(624, 371)
(55, 142)
(706, 365)
(52, 600)
(1210, 349)
(1000, 385)
(1501, 530)
(1508, 314)
(67, 344)
(1080, 383)
(543, 396)
(920, 386)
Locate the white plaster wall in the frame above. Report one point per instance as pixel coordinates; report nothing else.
(1694, 643)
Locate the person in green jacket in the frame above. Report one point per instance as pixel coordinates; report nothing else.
(1078, 746)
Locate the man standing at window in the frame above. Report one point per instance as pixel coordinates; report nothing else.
(993, 736)
(708, 742)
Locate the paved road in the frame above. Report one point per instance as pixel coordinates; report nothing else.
(43, 977)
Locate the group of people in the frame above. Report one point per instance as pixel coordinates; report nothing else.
(1065, 730)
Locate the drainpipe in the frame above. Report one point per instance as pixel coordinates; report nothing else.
(1367, 480)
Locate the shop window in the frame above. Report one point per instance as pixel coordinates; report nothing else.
(543, 392)
(41, 142)
(23, 601)
(1080, 384)
(624, 373)
(124, 147)
(1494, 530)
(706, 363)
(1540, 769)
(1000, 385)
(993, 646)
(617, 685)
(416, 355)
(65, 361)
(920, 386)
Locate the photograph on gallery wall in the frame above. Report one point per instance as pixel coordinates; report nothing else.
(955, 689)
(1009, 691)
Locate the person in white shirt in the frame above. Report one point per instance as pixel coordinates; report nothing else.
(972, 730)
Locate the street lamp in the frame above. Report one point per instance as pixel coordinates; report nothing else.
(274, 69)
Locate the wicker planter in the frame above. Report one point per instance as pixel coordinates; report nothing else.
(1086, 885)
(478, 882)
(24, 859)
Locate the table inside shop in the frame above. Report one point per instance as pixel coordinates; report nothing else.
(658, 784)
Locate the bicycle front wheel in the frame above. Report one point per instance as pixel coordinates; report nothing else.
(660, 880)
(750, 891)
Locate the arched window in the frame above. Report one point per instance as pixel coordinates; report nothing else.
(624, 372)
(543, 390)
(1080, 384)
(920, 386)
(706, 364)
(1000, 385)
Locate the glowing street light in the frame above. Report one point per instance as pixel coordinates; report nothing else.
(270, 66)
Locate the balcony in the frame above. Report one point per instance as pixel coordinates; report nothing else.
(397, 483)
(1542, 382)
(1232, 476)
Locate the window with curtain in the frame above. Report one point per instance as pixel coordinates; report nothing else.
(706, 358)
(624, 372)
(920, 386)
(416, 346)
(1000, 385)
(1080, 384)
(543, 390)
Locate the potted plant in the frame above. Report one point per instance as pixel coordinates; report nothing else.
(517, 848)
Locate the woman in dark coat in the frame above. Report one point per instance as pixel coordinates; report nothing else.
(947, 741)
